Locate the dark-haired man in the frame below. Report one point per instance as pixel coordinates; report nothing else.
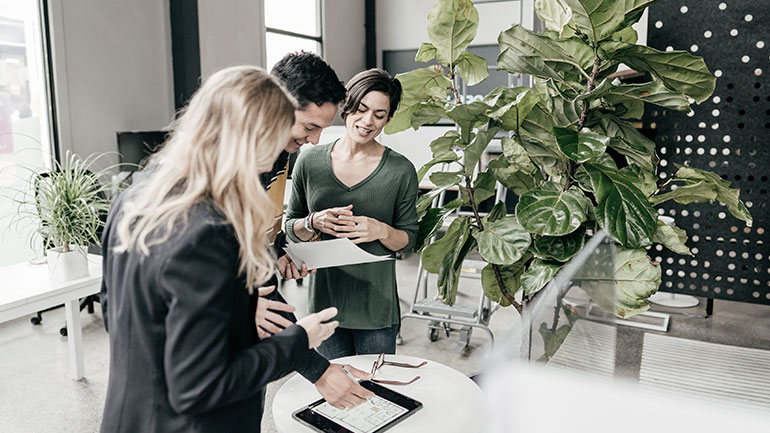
(318, 91)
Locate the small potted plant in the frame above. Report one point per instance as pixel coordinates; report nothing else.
(67, 205)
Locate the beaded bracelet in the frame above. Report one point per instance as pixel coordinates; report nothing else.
(309, 223)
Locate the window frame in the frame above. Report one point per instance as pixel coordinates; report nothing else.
(317, 39)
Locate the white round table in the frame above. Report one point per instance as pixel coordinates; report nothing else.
(451, 401)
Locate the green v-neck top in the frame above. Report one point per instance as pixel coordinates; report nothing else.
(365, 294)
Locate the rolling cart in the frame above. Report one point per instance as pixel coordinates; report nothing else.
(459, 318)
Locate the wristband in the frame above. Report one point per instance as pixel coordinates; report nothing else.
(309, 223)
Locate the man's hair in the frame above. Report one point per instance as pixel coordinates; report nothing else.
(369, 81)
(309, 79)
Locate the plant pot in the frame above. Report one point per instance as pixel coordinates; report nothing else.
(67, 266)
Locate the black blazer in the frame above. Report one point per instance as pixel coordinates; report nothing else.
(184, 355)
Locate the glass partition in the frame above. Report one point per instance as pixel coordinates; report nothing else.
(24, 118)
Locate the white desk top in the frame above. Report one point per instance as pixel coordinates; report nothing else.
(451, 401)
(25, 284)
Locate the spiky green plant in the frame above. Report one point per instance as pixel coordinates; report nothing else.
(66, 204)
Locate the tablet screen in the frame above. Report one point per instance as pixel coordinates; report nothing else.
(364, 418)
(381, 412)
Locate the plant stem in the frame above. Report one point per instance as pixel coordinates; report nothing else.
(583, 114)
(452, 87)
(559, 298)
(589, 88)
(496, 268)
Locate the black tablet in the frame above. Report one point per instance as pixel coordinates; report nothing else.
(381, 412)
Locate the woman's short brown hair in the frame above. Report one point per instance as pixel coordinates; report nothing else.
(370, 81)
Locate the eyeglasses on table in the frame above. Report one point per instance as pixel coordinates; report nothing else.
(381, 361)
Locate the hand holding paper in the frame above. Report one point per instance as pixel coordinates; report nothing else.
(331, 253)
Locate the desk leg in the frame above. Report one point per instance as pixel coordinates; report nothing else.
(75, 338)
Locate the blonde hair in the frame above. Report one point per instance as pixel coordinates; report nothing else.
(234, 127)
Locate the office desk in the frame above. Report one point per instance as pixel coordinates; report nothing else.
(451, 401)
(26, 289)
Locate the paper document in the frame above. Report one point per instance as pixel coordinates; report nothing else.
(326, 254)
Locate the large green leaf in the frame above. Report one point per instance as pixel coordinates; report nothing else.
(636, 278)
(425, 113)
(580, 146)
(597, 19)
(552, 339)
(628, 141)
(643, 179)
(635, 156)
(477, 147)
(503, 242)
(483, 188)
(498, 211)
(472, 68)
(631, 109)
(698, 192)
(566, 111)
(538, 125)
(560, 248)
(432, 221)
(701, 184)
(678, 70)
(468, 116)
(634, 10)
(672, 238)
(511, 175)
(538, 275)
(510, 61)
(511, 276)
(426, 53)
(451, 267)
(443, 151)
(550, 211)
(446, 181)
(516, 155)
(579, 50)
(512, 114)
(434, 254)
(418, 86)
(653, 92)
(445, 177)
(554, 14)
(623, 209)
(627, 34)
(527, 43)
(452, 26)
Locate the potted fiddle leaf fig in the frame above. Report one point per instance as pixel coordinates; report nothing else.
(557, 141)
(67, 206)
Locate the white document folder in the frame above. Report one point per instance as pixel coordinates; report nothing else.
(331, 253)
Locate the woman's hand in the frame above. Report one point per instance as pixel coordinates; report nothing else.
(361, 229)
(318, 331)
(331, 220)
(268, 321)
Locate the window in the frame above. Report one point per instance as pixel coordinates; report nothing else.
(25, 141)
(291, 25)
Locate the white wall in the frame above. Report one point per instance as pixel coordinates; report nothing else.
(231, 32)
(401, 24)
(112, 70)
(344, 36)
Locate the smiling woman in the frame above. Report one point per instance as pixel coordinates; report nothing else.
(358, 189)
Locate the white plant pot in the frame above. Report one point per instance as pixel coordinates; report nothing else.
(68, 266)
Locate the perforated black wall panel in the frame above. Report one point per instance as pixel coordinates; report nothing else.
(729, 134)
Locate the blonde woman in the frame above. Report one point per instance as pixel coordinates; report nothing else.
(183, 249)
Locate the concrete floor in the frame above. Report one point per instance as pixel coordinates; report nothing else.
(36, 394)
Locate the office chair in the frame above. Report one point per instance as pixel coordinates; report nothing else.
(88, 301)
